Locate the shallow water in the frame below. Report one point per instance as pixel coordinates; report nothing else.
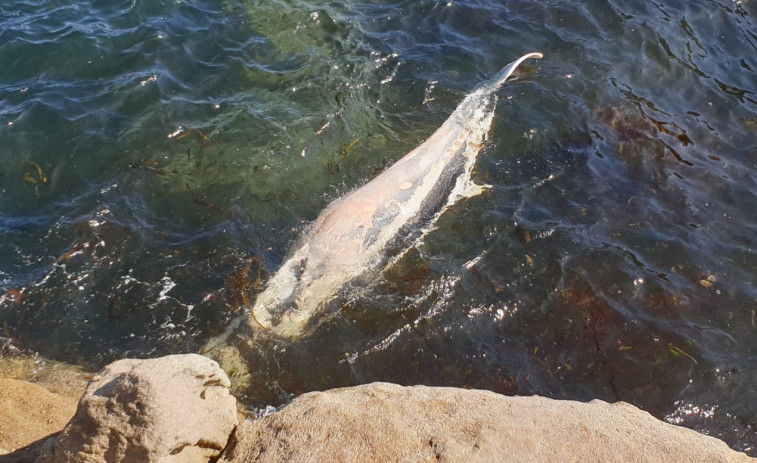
(159, 159)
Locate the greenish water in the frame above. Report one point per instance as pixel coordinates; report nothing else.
(159, 159)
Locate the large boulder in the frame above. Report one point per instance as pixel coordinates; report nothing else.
(170, 409)
(385, 422)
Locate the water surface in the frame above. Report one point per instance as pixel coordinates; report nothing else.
(159, 159)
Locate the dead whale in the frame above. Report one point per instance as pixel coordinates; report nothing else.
(354, 235)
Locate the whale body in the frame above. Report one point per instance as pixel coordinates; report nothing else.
(354, 234)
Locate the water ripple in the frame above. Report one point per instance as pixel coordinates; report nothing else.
(159, 158)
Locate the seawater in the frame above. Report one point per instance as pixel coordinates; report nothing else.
(159, 158)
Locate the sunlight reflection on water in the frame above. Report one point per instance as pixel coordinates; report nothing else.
(159, 159)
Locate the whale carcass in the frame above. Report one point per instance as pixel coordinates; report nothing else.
(354, 234)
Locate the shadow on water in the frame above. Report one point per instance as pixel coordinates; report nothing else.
(163, 157)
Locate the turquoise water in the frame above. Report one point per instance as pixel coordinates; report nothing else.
(159, 159)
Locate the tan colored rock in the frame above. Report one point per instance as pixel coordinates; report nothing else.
(30, 412)
(170, 409)
(389, 423)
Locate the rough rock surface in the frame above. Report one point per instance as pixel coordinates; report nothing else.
(170, 409)
(30, 412)
(385, 422)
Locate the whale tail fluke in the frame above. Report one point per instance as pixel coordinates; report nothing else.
(507, 71)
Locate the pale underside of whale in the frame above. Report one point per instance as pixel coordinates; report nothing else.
(356, 234)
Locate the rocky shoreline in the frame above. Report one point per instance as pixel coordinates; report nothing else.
(180, 409)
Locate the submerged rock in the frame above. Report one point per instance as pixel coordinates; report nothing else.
(386, 422)
(170, 409)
